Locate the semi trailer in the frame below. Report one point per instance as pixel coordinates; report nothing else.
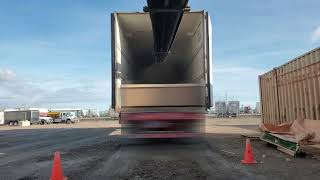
(167, 98)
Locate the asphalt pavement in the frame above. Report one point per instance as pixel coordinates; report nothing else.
(92, 153)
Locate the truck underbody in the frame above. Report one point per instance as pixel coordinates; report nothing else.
(162, 124)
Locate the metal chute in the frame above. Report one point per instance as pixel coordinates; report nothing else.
(165, 16)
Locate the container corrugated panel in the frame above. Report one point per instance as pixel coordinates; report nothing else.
(292, 90)
(269, 96)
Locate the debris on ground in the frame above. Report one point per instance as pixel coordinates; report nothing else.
(284, 143)
(252, 136)
(313, 149)
(289, 137)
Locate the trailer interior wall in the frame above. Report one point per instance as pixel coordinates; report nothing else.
(180, 80)
(134, 51)
(292, 90)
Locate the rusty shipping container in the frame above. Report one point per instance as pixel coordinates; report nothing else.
(292, 91)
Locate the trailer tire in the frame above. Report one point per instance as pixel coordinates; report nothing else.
(10, 123)
(42, 122)
(68, 121)
(15, 123)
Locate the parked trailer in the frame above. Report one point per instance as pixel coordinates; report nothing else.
(1, 118)
(13, 117)
(43, 114)
(292, 91)
(167, 99)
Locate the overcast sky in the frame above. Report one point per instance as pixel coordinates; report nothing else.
(57, 53)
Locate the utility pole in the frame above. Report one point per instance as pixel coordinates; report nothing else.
(226, 95)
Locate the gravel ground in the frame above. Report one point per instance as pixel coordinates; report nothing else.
(88, 151)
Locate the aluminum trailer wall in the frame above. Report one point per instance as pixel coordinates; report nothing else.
(32, 116)
(1, 118)
(292, 91)
(183, 80)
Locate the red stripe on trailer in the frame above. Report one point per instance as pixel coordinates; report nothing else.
(161, 116)
(163, 135)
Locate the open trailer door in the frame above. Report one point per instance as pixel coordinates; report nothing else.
(208, 60)
(115, 63)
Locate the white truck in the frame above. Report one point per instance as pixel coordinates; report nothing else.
(66, 117)
(45, 120)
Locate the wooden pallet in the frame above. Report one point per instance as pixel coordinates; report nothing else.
(286, 144)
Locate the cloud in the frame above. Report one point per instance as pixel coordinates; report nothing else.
(239, 71)
(18, 91)
(316, 34)
(6, 74)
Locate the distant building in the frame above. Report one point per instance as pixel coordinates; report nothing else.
(93, 113)
(233, 108)
(220, 108)
(112, 113)
(258, 108)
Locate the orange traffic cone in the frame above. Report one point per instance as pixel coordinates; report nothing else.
(248, 154)
(56, 173)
